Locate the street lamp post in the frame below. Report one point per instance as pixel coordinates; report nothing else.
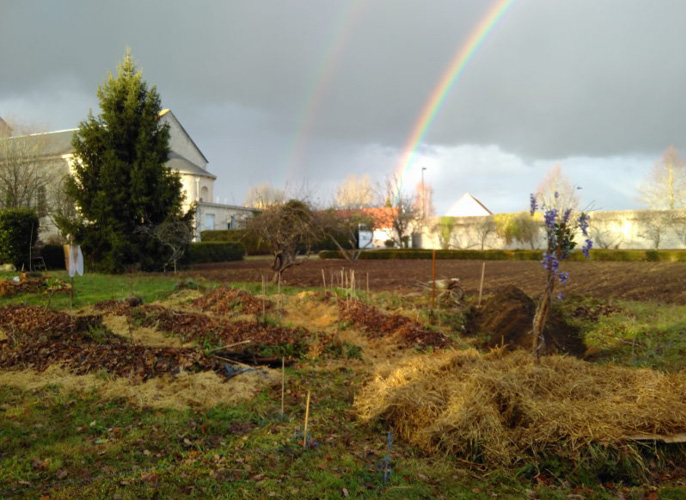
(423, 196)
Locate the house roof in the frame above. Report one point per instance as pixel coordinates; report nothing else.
(169, 111)
(467, 206)
(49, 143)
(178, 162)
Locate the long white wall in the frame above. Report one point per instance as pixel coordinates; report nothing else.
(624, 229)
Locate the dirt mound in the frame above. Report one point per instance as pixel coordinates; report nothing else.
(35, 323)
(506, 320)
(504, 409)
(378, 324)
(593, 313)
(228, 300)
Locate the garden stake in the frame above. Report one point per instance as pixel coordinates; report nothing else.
(387, 459)
(433, 279)
(264, 299)
(307, 416)
(367, 286)
(481, 286)
(324, 280)
(283, 382)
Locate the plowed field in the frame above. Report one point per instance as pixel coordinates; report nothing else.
(644, 281)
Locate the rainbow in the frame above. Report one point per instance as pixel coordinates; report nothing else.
(331, 56)
(457, 65)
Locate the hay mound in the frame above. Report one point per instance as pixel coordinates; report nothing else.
(502, 409)
(506, 320)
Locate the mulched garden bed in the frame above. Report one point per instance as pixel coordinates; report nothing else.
(379, 324)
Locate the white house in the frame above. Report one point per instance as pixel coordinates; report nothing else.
(55, 149)
(468, 206)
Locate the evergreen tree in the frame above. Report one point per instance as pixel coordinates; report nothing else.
(120, 182)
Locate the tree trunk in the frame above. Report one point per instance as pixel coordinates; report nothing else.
(541, 316)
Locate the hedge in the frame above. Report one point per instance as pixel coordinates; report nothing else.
(251, 244)
(215, 252)
(535, 255)
(53, 255)
(18, 233)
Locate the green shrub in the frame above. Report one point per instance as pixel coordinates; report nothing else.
(18, 233)
(252, 245)
(215, 252)
(53, 255)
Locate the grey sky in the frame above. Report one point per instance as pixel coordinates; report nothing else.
(594, 84)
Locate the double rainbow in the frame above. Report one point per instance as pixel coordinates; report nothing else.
(454, 70)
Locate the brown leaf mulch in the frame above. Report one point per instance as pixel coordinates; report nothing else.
(26, 323)
(122, 360)
(224, 300)
(379, 324)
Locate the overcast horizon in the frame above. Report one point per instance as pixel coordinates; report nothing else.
(301, 93)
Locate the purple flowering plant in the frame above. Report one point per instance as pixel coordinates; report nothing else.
(560, 228)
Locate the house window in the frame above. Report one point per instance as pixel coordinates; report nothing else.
(232, 222)
(209, 221)
(204, 193)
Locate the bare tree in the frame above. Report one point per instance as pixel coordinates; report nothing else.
(290, 230)
(485, 227)
(604, 238)
(401, 209)
(445, 228)
(556, 190)
(342, 228)
(665, 186)
(175, 234)
(355, 192)
(520, 227)
(25, 175)
(676, 220)
(655, 225)
(264, 195)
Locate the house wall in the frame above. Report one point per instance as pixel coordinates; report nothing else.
(623, 229)
(224, 217)
(193, 189)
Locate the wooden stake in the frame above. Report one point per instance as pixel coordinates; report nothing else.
(367, 285)
(283, 383)
(433, 279)
(264, 299)
(481, 286)
(324, 279)
(307, 417)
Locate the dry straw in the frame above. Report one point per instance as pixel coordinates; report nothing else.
(505, 410)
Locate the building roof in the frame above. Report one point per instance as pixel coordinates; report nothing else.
(468, 206)
(49, 143)
(178, 162)
(169, 111)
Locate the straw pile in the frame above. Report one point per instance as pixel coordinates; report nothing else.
(502, 409)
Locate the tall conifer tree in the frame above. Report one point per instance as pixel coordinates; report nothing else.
(120, 181)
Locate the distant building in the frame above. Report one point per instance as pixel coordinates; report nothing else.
(55, 149)
(468, 206)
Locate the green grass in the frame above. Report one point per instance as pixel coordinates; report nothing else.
(79, 445)
(91, 288)
(640, 334)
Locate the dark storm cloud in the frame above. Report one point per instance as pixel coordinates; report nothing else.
(554, 79)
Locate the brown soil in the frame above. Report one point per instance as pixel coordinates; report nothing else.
(645, 281)
(506, 318)
(230, 301)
